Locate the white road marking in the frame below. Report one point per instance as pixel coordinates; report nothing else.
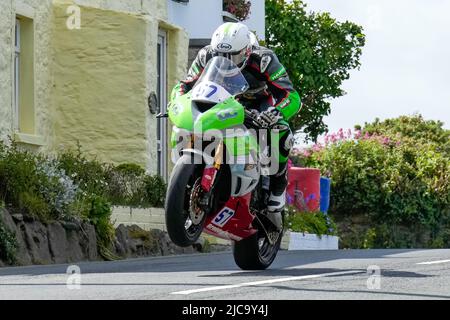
(435, 262)
(262, 282)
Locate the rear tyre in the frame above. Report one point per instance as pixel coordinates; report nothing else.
(181, 229)
(256, 252)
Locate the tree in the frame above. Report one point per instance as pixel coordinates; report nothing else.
(318, 53)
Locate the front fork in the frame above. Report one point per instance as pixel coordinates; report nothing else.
(234, 220)
(210, 171)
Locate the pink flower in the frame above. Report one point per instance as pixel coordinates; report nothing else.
(357, 134)
(306, 153)
(333, 138)
(349, 133)
(317, 147)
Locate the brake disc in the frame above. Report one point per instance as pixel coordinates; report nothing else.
(196, 211)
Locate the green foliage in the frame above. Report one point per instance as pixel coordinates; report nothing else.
(412, 129)
(123, 185)
(155, 190)
(126, 185)
(35, 205)
(8, 245)
(72, 187)
(318, 53)
(24, 185)
(309, 222)
(90, 175)
(397, 177)
(100, 217)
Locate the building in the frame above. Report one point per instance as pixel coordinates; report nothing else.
(200, 18)
(93, 72)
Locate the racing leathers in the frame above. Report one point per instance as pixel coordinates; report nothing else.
(277, 101)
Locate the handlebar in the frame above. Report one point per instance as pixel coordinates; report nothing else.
(251, 121)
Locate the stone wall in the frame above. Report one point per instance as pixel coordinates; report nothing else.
(55, 242)
(147, 219)
(151, 219)
(71, 242)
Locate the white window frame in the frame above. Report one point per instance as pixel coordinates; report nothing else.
(17, 74)
(162, 142)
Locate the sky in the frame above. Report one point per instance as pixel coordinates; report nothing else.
(405, 62)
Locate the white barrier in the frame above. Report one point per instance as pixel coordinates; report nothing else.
(305, 241)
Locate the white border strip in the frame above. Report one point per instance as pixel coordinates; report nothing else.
(434, 262)
(262, 282)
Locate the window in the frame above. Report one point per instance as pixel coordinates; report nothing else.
(24, 76)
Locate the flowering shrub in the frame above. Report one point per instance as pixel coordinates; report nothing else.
(388, 180)
(60, 190)
(239, 8)
(71, 187)
(129, 185)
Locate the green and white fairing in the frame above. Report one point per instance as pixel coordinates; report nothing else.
(211, 106)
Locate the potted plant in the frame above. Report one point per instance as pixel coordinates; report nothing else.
(239, 9)
(309, 231)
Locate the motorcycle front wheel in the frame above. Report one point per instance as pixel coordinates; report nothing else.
(182, 229)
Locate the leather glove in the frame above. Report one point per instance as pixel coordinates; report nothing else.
(269, 117)
(255, 113)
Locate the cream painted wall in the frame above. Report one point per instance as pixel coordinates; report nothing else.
(92, 84)
(5, 69)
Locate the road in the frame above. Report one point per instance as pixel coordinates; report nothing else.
(405, 274)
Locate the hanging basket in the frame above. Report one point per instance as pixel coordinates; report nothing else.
(238, 8)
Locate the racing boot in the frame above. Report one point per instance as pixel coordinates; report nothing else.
(277, 199)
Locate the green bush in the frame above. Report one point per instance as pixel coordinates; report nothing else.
(398, 181)
(26, 186)
(309, 222)
(8, 245)
(126, 186)
(155, 191)
(72, 187)
(90, 175)
(100, 216)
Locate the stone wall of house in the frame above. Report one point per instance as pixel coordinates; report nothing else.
(91, 85)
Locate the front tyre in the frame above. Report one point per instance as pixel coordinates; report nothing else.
(256, 252)
(182, 229)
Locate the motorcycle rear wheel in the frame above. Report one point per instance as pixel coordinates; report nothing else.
(255, 252)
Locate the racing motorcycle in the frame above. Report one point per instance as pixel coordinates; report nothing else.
(218, 184)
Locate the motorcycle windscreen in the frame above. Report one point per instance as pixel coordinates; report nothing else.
(220, 80)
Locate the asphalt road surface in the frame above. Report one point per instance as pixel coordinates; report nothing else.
(347, 274)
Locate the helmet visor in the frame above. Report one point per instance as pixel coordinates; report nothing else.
(237, 57)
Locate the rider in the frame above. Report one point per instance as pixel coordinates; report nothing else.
(275, 105)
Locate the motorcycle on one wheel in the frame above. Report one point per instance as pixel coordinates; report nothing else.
(218, 186)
